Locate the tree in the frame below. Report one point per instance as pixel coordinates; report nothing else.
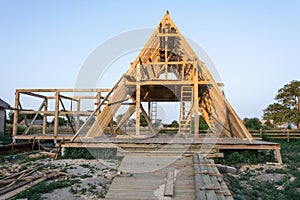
(252, 123)
(118, 118)
(202, 123)
(174, 124)
(143, 121)
(286, 109)
(22, 116)
(61, 121)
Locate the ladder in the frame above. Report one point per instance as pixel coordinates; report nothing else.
(153, 112)
(186, 105)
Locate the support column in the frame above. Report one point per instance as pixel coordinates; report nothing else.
(16, 116)
(78, 116)
(149, 109)
(45, 116)
(56, 115)
(98, 103)
(196, 104)
(138, 99)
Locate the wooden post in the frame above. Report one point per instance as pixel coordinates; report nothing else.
(288, 135)
(149, 109)
(45, 116)
(56, 115)
(196, 104)
(260, 132)
(98, 102)
(16, 116)
(138, 99)
(278, 155)
(78, 116)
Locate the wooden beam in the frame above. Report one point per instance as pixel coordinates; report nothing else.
(196, 104)
(45, 116)
(16, 116)
(148, 120)
(34, 118)
(278, 155)
(88, 145)
(63, 90)
(76, 97)
(78, 116)
(125, 117)
(35, 95)
(56, 115)
(138, 100)
(68, 118)
(169, 185)
(98, 102)
(52, 113)
(168, 82)
(67, 97)
(97, 109)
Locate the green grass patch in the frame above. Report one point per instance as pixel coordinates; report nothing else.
(36, 192)
(237, 157)
(267, 190)
(92, 153)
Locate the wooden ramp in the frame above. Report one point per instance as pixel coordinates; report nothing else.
(163, 177)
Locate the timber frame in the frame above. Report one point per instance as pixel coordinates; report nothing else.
(166, 70)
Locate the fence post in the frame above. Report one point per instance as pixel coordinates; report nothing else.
(288, 135)
(260, 132)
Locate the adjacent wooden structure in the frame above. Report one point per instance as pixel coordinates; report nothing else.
(59, 98)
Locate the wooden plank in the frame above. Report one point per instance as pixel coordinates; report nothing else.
(200, 195)
(64, 90)
(169, 186)
(20, 189)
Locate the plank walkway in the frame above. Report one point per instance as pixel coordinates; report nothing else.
(163, 178)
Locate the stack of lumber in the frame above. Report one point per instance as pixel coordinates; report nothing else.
(13, 184)
(209, 183)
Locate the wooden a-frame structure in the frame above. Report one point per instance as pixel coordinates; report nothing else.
(168, 70)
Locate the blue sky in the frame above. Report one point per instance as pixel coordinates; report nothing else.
(255, 45)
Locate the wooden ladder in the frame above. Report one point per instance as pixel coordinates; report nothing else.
(153, 112)
(186, 104)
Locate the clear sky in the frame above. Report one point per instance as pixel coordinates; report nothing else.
(255, 45)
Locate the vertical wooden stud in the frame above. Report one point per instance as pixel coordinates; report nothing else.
(16, 116)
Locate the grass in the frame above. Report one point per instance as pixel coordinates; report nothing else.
(237, 158)
(36, 192)
(75, 153)
(267, 190)
(5, 137)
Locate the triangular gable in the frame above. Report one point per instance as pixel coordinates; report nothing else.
(147, 79)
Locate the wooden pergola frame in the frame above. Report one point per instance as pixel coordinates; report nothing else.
(59, 110)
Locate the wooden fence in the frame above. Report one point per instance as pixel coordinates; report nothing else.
(257, 134)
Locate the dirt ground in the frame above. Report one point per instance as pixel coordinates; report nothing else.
(93, 177)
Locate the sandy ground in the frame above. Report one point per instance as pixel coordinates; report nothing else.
(95, 177)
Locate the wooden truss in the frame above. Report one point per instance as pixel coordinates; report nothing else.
(168, 70)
